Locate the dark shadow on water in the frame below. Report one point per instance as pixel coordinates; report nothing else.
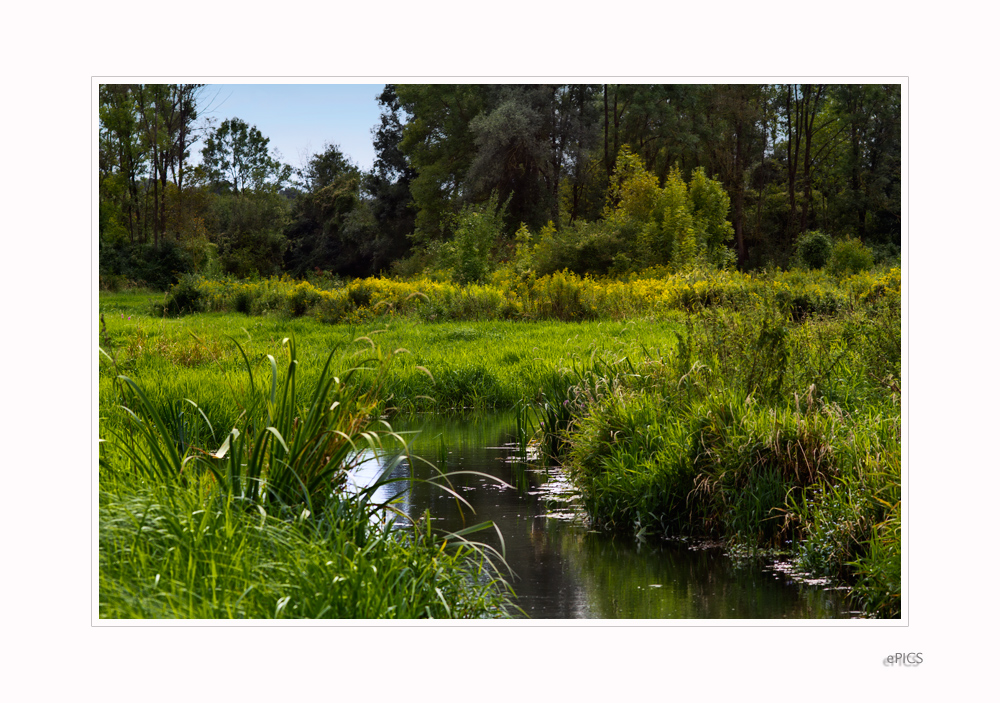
(565, 571)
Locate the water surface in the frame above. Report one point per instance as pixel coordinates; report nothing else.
(564, 570)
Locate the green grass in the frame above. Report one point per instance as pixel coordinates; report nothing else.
(764, 431)
(445, 366)
(770, 421)
(177, 554)
(230, 501)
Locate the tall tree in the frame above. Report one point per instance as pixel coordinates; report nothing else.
(388, 184)
(236, 159)
(166, 114)
(318, 227)
(801, 107)
(467, 142)
(579, 113)
(440, 146)
(514, 155)
(122, 161)
(185, 97)
(871, 166)
(741, 133)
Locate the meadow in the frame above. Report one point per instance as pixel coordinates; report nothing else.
(760, 410)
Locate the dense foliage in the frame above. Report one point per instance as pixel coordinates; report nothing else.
(597, 178)
(762, 410)
(753, 230)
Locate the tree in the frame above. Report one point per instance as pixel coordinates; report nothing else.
(738, 126)
(250, 232)
(579, 135)
(440, 145)
(236, 159)
(519, 141)
(122, 163)
(870, 166)
(471, 254)
(146, 133)
(514, 156)
(321, 218)
(325, 168)
(680, 224)
(166, 113)
(388, 185)
(803, 104)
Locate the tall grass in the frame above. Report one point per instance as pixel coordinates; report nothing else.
(559, 296)
(765, 430)
(260, 524)
(763, 410)
(176, 554)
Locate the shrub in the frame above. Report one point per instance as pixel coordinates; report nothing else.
(478, 231)
(561, 296)
(183, 298)
(251, 241)
(581, 247)
(144, 264)
(814, 249)
(301, 299)
(849, 256)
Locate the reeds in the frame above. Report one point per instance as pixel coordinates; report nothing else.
(175, 555)
(764, 431)
(764, 410)
(261, 524)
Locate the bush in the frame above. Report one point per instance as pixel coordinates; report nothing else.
(251, 241)
(144, 264)
(680, 224)
(302, 298)
(470, 255)
(562, 296)
(185, 297)
(580, 247)
(814, 249)
(849, 256)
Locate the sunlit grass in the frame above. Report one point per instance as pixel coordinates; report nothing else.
(764, 411)
(236, 505)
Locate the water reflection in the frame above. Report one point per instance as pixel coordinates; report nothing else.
(561, 569)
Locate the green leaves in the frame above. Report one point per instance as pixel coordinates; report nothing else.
(236, 156)
(681, 224)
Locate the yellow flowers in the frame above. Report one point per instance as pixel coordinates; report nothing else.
(562, 295)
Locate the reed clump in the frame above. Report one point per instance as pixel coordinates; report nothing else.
(763, 410)
(759, 427)
(252, 515)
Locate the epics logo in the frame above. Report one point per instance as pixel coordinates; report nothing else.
(909, 659)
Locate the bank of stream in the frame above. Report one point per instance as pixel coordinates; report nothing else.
(562, 569)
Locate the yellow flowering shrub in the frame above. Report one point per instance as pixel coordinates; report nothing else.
(562, 295)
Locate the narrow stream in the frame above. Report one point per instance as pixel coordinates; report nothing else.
(563, 570)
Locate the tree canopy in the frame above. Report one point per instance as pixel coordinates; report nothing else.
(603, 178)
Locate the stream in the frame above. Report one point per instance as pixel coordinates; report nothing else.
(564, 570)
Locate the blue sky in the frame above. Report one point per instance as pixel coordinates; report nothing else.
(299, 119)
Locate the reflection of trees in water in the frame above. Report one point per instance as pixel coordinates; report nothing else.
(547, 584)
(561, 570)
(629, 580)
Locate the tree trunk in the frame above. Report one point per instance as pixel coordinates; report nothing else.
(741, 250)
(607, 161)
(794, 136)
